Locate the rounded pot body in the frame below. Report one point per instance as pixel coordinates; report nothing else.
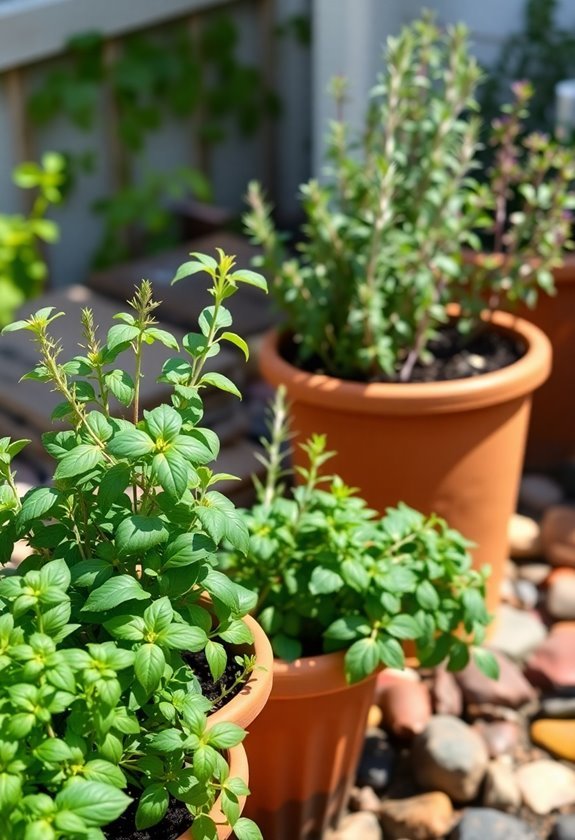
(551, 436)
(455, 448)
(304, 748)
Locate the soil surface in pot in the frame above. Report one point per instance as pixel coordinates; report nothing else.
(177, 820)
(211, 689)
(453, 356)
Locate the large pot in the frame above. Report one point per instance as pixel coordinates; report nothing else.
(304, 748)
(455, 448)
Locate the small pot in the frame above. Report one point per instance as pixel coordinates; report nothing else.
(454, 448)
(304, 747)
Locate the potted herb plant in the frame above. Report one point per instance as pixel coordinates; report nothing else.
(339, 591)
(385, 347)
(127, 662)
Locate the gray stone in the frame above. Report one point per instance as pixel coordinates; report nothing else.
(524, 536)
(376, 762)
(564, 828)
(527, 593)
(449, 756)
(546, 785)
(535, 573)
(511, 689)
(501, 790)
(539, 492)
(560, 594)
(516, 632)
(558, 707)
(490, 824)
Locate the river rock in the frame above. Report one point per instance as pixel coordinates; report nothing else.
(526, 593)
(546, 785)
(524, 536)
(560, 594)
(511, 689)
(535, 573)
(555, 736)
(558, 535)
(516, 632)
(446, 695)
(500, 736)
(500, 789)
(423, 817)
(489, 824)
(552, 665)
(564, 828)
(364, 799)
(538, 492)
(558, 707)
(406, 708)
(451, 757)
(363, 825)
(376, 762)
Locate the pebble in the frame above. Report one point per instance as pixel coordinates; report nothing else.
(527, 593)
(558, 535)
(423, 817)
(516, 632)
(364, 799)
(374, 717)
(500, 736)
(376, 762)
(363, 825)
(546, 785)
(564, 828)
(501, 790)
(451, 757)
(490, 824)
(535, 573)
(555, 736)
(446, 695)
(558, 707)
(552, 665)
(524, 536)
(560, 594)
(406, 708)
(511, 689)
(538, 492)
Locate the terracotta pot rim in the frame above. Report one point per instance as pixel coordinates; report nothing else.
(562, 273)
(248, 703)
(409, 398)
(238, 763)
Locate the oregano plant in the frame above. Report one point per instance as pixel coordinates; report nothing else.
(121, 575)
(329, 574)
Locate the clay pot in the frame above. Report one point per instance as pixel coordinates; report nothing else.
(551, 436)
(455, 448)
(304, 748)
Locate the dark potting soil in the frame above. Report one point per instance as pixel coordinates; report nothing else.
(178, 819)
(454, 356)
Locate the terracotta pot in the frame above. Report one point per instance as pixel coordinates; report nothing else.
(238, 762)
(304, 748)
(455, 448)
(551, 437)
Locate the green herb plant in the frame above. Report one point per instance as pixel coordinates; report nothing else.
(98, 629)
(23, 268)
(330, 575)
(382, 254)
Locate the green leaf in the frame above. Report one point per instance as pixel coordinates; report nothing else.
(138, 534)
(99, 770)
(99, 425)
(286, 648)
(246, 829)
(195, 344)
(347, 628)
(172, 473)
(217, 659)
(149, 666)
(324, 581)
(55, 573)
(239, 342)
(222, 588)
(185, 550)
(113, 485)
(152, 806)
(361, 659)
(250, 278)
(183, 637)
(403, 627)
(37, 503)
(126, 627)
(222, 736)
(53, 751)
(10, 791)
(121, 385)
(221, 382)
(82, 458)
(187, 269)
(390, 652)
(163, 336)
(221, 520)
(486, 662)
(131, 443)
(121, 334)
(204, 828)
(159, 615)
(163, 422)
(115, 591)
(96, 803)
(427, 596)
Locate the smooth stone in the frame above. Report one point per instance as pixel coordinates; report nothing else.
(490, 824)
(364, 799)
(501, 790)
(451, 757)
(376, 762)
(508, 594)
(527, 593)
(374, 717)
(446, 695)
(552, 665)
(511, 689)
(558, 707)
(535, 573)
(564, 828)
(363, 825)
(538, 492)
(524, 535)
(558, 535)
(500, 736)
(406, 708)
(560, 594)
(516, 632)
(423, 817)
(546, 785)
(555, 736)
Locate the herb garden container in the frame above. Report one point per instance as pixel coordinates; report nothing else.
(455, 448)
